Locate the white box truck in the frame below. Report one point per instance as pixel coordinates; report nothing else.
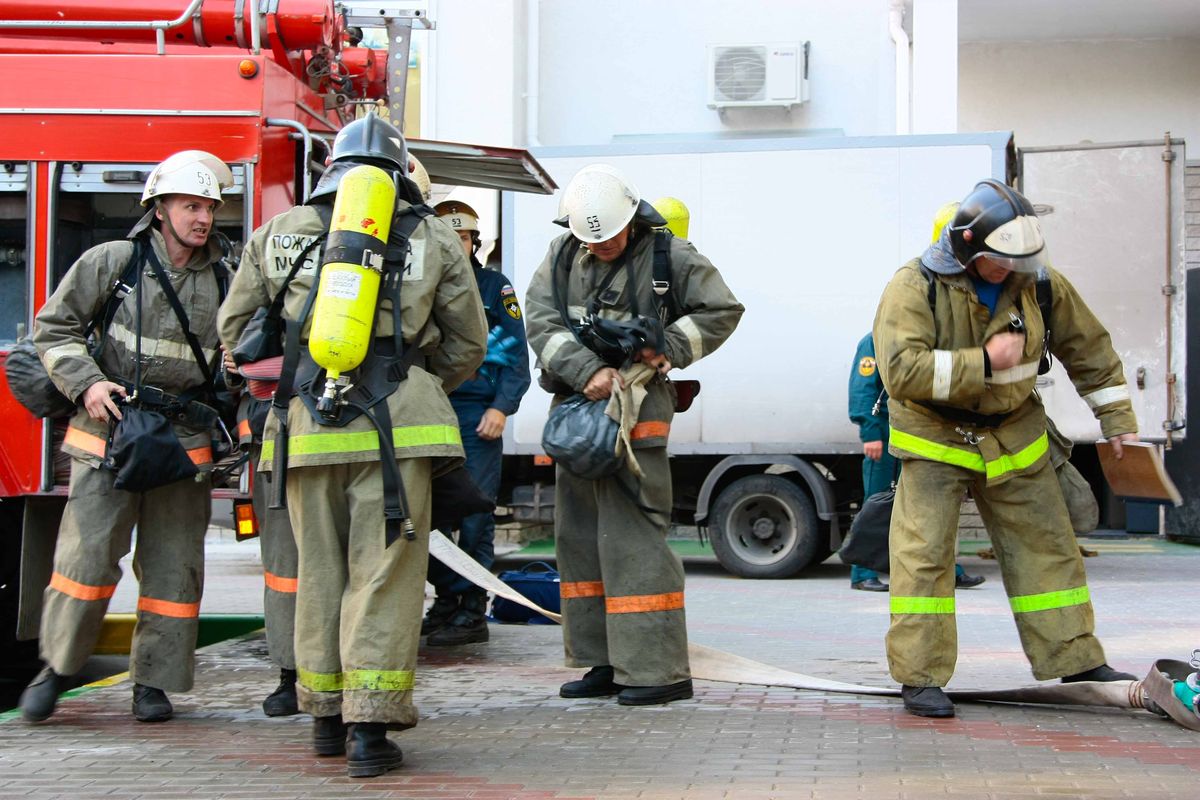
(806, 232)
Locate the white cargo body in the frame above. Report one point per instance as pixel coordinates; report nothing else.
(807, 231)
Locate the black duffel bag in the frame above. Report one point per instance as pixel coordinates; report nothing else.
(31, 385)
(582, 439)
(867, 544)
(145, 453)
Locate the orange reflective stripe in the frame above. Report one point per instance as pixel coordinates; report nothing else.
(636, 603)
(200, 455)
(278, 584)
(649, 430)
(80, 591)
(166, 608)
(243, 429)
(581, 589)
(87, 442)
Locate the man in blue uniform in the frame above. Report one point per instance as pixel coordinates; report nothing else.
(869, 411)
(483, 404)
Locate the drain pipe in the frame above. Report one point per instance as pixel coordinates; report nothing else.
(1169, 289)
(903, 57)
(533, 13)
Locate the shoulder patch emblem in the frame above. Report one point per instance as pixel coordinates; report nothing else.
(511, 306)
(866, 366)
(507, 291)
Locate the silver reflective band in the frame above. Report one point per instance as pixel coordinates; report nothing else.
(157, 348)
(695, 340)
(1014, 374)
(55, 354)
(943, 371)
(1105, 396)
(554, 345)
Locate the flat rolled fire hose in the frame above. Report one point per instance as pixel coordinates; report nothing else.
(709, 664)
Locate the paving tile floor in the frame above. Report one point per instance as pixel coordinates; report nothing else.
(493, 727)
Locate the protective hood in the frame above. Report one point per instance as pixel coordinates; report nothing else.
(939, 256)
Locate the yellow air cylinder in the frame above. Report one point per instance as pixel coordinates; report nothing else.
(344, 313)
(676, 213)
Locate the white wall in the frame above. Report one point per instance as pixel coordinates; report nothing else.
(1052, 93)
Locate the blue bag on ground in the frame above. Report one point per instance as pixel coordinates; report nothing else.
(539, 582)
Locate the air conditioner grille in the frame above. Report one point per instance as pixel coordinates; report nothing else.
(740, 73)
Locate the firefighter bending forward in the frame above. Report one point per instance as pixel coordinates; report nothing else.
(958, 340)
(359, 600)
(171, 520)
(622, 587)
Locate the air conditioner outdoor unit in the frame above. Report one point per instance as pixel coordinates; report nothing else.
(757, 75)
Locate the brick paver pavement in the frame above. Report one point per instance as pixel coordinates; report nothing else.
(493, 727)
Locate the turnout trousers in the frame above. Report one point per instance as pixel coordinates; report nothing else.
(1039, 559)
(622, 587)
(280, 562)
(359, 606)
(476, 536)
(96, 531)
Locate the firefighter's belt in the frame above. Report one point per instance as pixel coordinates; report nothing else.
(708, 664)
(966, 417)
(179, 409)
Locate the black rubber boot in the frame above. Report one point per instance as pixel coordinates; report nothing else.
(41, 695)
(369, 752)
(870, 585)
(1103, 673)
(329, 735)
(282, 701)
(150, 704)
(444, 607)
(597, 682)
(467, 626)
(926, 701)
(965, 581)
(655, 695)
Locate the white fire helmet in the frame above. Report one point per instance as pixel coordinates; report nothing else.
(598, 203)
(420, 176)
(458, 215)
(192, 172)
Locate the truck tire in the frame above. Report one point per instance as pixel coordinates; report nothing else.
(764, 526)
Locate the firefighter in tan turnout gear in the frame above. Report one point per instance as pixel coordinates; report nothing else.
(360, 504)
(174, 238)
(959, 337)
(622, 587)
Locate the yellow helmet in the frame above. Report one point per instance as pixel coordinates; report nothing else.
(676, 213)
(943, 217)
(458, 215)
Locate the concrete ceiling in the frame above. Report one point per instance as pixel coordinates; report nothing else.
(1042, 20)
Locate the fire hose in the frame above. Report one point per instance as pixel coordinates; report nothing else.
(1156, 692)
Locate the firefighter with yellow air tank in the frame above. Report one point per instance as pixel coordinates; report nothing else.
(359, 502)
(959, 336)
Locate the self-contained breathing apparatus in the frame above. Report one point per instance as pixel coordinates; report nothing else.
(346, 371)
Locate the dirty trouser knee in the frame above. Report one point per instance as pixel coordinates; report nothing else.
(922, 642)
(477, 534)
(622, 586)
(280, 562)
(358, 610)
(169, 564)
(1030, 528)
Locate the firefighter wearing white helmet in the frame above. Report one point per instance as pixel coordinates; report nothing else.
(483, 403)
(614, 305)
(360, 503)
(959, 336)
(175, 238)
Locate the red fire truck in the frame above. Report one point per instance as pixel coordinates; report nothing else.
(95, 92)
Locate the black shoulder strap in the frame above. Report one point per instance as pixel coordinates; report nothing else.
(1045, 300)
(121, 289)
(928, 273)
(177, 307)
(663, 298)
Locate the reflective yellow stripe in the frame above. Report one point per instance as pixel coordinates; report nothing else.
(320, 681)
(1047, 600)
(937, 452)
(922, 605)
(946, 454)
(1022, 459)
(380, 680)
(361, 441)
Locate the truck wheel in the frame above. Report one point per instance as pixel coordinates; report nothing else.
(764, 526)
